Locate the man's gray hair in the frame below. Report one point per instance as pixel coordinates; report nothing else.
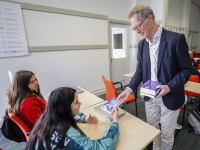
(142, 11)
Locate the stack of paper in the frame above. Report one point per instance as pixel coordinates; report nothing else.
(149, 89)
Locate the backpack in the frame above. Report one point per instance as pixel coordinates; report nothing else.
(194, 120)
(11, 130)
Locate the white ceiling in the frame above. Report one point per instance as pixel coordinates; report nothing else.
(197, 2)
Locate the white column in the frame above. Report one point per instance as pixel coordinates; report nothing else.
(185, 15)
(165, 13)
(198, 43)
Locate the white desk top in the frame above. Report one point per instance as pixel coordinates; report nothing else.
(130, 75)
(134, 133)
(193, 87)
(88, 99)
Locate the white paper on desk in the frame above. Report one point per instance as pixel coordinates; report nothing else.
(12, 34)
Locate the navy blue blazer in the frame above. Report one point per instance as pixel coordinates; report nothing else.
(173, 69)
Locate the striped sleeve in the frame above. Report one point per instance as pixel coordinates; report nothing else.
(79, 117)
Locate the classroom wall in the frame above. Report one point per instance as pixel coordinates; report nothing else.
(198, 39)
(194, 25)
(181, 14)
(71, 67)
(157, 7)
(133, 41)
(144, 2)
(114, 9)
(194, 17)
(52, 29)
(174, 13)
(185, 13)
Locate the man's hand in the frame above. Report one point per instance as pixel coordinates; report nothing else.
(124, 95)
(90, 119)
(164, 90)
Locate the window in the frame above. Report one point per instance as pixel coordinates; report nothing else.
(118, 43)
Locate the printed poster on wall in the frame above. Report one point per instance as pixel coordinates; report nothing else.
(12, 34)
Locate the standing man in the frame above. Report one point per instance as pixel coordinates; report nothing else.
(162, 56)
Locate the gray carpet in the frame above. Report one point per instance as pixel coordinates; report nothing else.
(183, 141)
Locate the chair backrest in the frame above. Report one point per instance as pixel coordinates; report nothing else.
(198, 66)
(20, 123)
(194, 78)
(110, 89)
(196, 55)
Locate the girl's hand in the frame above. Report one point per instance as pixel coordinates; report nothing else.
(115, 114)
(91, 119)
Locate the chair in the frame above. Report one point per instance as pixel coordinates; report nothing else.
(198, 66)
(193, 78)
(25, 129)
(111, 92)
(196, 55)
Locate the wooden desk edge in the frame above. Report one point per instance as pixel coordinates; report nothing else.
(151, 140)
(92, 105)
(81, 89)
(130, 75)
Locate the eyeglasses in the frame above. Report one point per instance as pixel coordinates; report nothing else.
(138, 27)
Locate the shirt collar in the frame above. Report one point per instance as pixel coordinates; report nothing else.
(157, 35)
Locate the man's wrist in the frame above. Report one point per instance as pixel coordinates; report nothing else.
(168, 88)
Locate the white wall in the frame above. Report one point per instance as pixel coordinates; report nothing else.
(53, 70)
(198, 43)
(174, 13)
(133, 41)
(194, 25)
(157, 7)
(57, 69)
(114, 9)
(143, 2)
(183, 13)
(51, 29)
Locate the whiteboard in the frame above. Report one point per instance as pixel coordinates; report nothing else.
(52, 29)
(12, 34)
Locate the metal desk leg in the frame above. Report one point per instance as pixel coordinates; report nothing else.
(183, 115)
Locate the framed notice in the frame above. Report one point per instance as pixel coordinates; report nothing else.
(12, 34)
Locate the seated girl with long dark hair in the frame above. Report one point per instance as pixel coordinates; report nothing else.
(24, 97)
(57, 127)
(25, 100)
